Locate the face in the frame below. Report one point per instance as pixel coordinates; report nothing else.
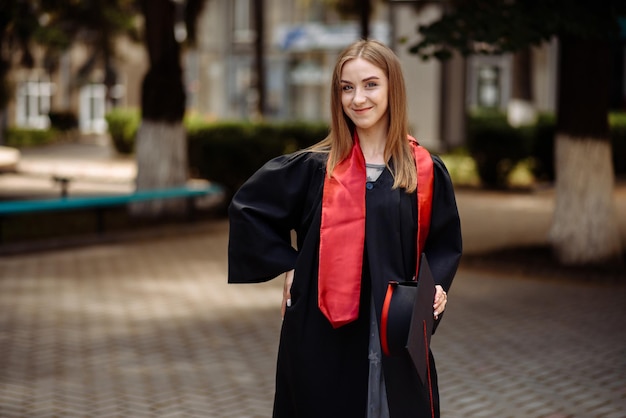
(364, 94)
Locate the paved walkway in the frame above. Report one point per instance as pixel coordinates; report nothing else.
(148, 327)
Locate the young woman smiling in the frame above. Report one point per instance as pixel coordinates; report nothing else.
(351, 200)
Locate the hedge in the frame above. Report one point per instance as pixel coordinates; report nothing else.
(226, 152)
(63, 120)
(497, 147)
(29, 137)
(230, 152)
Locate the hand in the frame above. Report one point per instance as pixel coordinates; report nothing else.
(441, 298)
(286, 293)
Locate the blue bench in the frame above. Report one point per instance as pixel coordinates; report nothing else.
(99, 203)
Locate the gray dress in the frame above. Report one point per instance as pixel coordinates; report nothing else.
(376, 397)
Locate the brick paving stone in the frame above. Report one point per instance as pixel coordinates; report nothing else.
(562, 349)
(149, 328)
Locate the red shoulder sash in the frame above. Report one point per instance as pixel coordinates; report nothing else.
(342, 232)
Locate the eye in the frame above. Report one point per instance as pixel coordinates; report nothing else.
(371, 84)
(346, 87)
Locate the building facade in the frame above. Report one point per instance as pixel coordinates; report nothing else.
(301, 41)
(38, 92)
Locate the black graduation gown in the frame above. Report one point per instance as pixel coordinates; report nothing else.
(321, 371)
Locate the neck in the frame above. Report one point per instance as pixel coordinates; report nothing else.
(373, 146)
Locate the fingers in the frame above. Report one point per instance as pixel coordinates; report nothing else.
(286, 293)
(441, 299)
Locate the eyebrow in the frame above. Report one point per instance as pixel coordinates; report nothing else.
(364, 80)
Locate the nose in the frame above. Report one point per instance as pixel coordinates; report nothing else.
(359, 96)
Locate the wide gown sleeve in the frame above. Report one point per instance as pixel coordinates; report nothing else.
(444, 243)
(262, 215)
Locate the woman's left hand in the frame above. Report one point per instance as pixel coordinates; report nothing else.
(441, 298)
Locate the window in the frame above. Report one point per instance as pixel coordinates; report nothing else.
(33, 103)
(489, 86)
(92, 108)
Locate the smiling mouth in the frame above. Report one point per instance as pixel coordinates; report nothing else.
(361, 110)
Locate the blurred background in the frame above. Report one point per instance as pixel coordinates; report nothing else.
(514, 95)
(74, 63)
(126, 125)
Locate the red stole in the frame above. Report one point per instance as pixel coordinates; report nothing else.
(342, 234)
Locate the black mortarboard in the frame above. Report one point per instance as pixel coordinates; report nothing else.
(422, 321)
(407, 319)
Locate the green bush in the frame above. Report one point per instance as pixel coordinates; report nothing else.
(303, 134)
(230, 152)
(28, 137)
(496, 146)
(123, 124)
(63, 120)
(542, 152)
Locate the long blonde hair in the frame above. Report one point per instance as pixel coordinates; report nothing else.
(339, 141)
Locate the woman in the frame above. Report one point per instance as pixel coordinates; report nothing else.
(351, 199)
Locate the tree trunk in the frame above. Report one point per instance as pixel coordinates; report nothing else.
(583, 229)
(3, 125)
(5, 94)
(365, 10)
(521, 110)
(259, 57)
(163, 163)
(161, 140)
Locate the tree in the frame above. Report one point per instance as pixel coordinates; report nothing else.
(259, 57)
(56, 24)
(583, 229)
(161, 144)
(365, 11)
(17, 24)
(53, 25)
(360, 8)
(96, 24)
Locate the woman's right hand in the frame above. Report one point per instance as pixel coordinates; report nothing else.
(286, 293)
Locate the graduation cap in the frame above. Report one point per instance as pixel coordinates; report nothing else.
(407, 319)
